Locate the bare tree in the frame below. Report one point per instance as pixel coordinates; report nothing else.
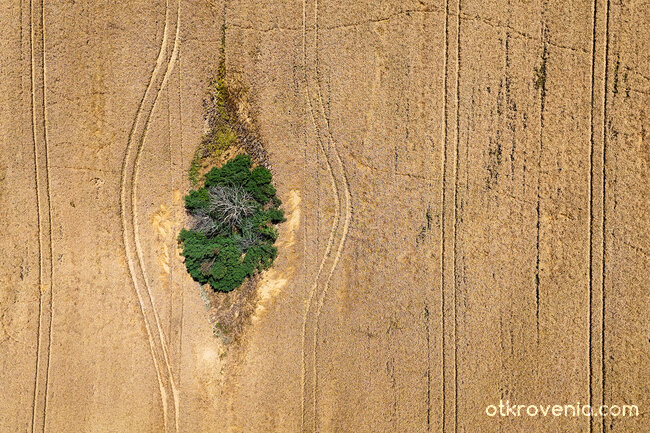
(230, 204)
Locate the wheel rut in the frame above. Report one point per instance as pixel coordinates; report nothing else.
(338, 232)
(44, 213)
(165, 62)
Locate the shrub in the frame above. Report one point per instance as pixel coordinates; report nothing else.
(232, 233)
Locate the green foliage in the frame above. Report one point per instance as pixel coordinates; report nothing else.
(194, 169)
(237, 172)
(234, 172)
(233, 232)
(218, 140)
(221, 118)
(220, 96)
(197, 199)
(220, 136)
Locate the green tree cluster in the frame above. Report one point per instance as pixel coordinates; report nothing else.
(233, 218)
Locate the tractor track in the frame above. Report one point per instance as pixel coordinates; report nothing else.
(44, 213)
(128, 208)
(338, 232)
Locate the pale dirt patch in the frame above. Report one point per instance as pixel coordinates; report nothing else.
(274, 281)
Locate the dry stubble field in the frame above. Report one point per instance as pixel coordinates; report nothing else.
(466, 186)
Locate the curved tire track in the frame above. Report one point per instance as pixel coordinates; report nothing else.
(44, 213)
(338, 234)
(128, 209)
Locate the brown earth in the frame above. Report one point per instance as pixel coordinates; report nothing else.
(466, 188)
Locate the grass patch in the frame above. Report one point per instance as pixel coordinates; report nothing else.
(220, 135)
(218, 140)
(221, 120)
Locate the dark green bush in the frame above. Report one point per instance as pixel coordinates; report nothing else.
(197, 199)
(232, 231)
